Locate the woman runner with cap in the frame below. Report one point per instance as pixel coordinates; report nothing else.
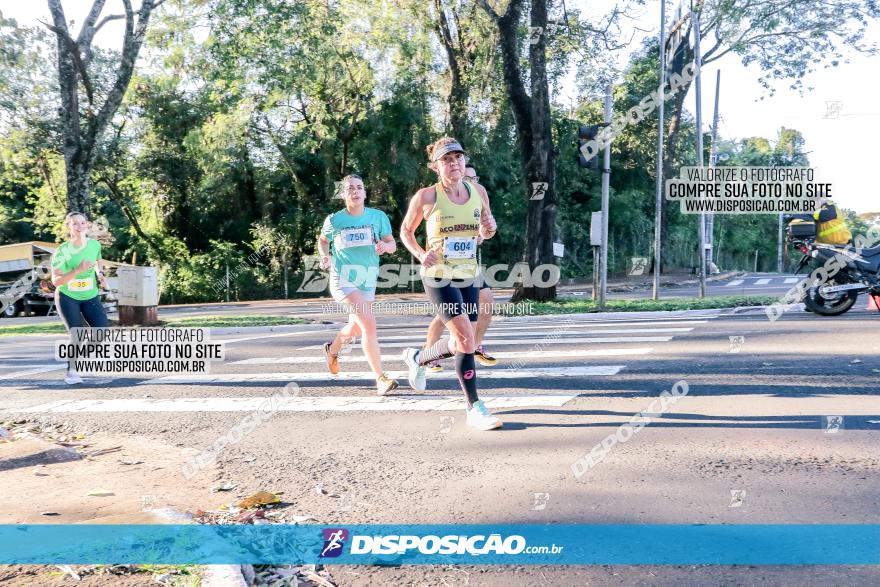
(358, 235)
(456, 214)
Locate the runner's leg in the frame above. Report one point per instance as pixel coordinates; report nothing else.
(363, 316)
(485, 315)
(93, 312)
(71, 317)
(435, 331)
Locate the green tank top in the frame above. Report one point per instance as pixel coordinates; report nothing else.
(452, 233)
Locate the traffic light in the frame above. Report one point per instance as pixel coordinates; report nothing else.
(587, 133)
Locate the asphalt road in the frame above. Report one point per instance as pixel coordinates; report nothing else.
(780, 424)
(636, 287)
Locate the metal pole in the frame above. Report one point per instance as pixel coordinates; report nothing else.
(699, 121)
(658, 200)
(713, 161)
(779, 254)
(595, 293)
(606, 178)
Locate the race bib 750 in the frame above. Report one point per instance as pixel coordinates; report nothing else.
(354, 237)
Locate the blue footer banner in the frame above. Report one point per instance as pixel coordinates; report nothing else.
(630, 544)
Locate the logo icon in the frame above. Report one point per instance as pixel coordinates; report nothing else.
(446, 424)
(736, 343)
(833, 108)
(541, 500)
(833, 424)
(334, 540)
(639, 264)
(539, 188)
(314, 280)
(535, 33)
(737, 497)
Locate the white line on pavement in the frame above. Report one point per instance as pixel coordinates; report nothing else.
(557, 331)
(261, 336)
(419, 341)
(561, 324)
(357, 356)
(792, 279)
(369, 376)
(296, 404)
(36, 371)
(735, 282)
(762, 282)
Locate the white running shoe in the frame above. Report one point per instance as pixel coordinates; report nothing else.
(72, 377)
(416, 374)
(481, 418)
(385, 384)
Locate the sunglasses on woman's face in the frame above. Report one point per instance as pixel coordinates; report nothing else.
(473, 178)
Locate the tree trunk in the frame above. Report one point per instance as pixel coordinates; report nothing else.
(539, 169)
(671, 150)
(74, 57)
(459, 93)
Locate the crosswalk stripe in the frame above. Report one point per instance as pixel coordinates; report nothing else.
(398, 403)
(566, 325)
(356, 355)
(762, 282)
(735, 282)
(497, 373)
(417, 342)
(35, 371)
(559, 331)
(792, 279)
(505, 326)
(262, 336)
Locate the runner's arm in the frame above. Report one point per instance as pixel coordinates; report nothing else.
(411, 222)
(60, 278)
(488, 226)
(386, 244)
(324, 250)
(99, 272)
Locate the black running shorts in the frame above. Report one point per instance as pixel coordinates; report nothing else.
(453, 299)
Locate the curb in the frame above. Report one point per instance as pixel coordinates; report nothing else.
(223, 576)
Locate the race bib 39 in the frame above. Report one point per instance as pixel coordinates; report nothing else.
(86, 284)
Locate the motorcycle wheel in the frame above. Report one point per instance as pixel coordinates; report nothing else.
(834, 305)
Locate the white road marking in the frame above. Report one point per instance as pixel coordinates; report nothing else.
(762, 282)
(554, 332)
(35, 371)
(261, 336)
(355, 355)
(482, 374)
(735, 282)
(505, 326)
(792, 279)
(428, 403)
(419, 341)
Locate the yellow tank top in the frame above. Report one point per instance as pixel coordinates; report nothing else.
(452, 233)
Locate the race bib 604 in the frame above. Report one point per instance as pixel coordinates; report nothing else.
(460, 247)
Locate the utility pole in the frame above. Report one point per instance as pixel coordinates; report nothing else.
(713, 161)
(699, 114)
(606, 180)
(658, 200)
